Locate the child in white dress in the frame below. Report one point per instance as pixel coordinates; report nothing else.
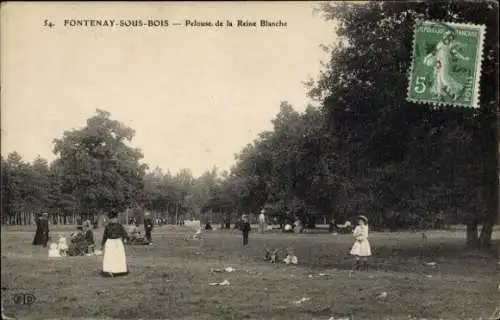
(63, 246)
(54, 251)
(361, 248)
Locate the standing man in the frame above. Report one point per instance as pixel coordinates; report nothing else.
(148, 226)
(245, 229)
(262, 221)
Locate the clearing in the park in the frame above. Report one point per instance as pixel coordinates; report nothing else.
(215, 277)
(446, 64)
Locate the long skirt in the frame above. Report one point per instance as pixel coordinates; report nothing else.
(361, 249)
(41, 238)
(114, 261)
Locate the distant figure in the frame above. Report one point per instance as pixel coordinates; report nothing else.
(148, 226)
(42, 230)
(89, 236)
(135, 237)
(331, 225)
(346, 227)
(361, 247)
(262, 221)
(114, 261)
(245, 228)
(238, 224)
(298, 226)
(439, 223)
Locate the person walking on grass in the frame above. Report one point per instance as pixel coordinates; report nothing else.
(148, 226)
(245, 228)
(89, 236)
(262, 221)
(361, 248)
(114, 261)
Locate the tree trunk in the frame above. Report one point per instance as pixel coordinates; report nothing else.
(472, 238)
(485, 237)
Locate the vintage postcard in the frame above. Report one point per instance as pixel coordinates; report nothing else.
(258, 160)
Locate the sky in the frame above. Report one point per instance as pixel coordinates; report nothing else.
(194, 95)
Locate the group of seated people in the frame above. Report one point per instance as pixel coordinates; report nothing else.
(82, 241)
(345, 227)
(135, 237)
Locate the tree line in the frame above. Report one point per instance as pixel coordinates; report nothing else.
(364, 150)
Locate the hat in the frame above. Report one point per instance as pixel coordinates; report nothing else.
(365, 219)
(45, 214)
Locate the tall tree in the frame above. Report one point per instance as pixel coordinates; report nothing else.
(449, 151)
(15, 182)
(97, 166)
(40, 184)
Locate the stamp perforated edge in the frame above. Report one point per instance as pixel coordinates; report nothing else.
(479, 64)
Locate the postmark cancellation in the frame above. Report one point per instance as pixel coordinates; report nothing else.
(446, 64)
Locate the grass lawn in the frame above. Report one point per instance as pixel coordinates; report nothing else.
(170, 280)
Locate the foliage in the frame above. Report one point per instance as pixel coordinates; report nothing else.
(416, 158)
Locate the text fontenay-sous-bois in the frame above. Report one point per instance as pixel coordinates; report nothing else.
(78, 23)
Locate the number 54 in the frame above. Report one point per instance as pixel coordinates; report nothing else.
(420, 85)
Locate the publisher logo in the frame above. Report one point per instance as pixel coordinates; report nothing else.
(24, 299)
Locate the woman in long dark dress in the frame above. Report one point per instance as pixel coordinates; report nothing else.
(42, 231)
(114, 261)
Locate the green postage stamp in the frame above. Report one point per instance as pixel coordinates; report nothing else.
(446, 64)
